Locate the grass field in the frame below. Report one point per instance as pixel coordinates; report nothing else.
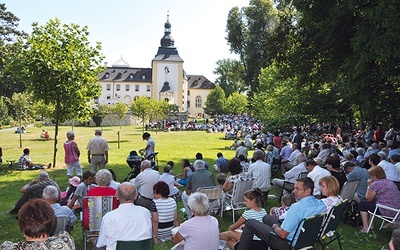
(173, 146)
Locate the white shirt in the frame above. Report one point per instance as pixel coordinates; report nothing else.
(151, 144)
(145, 181)
(200, 232)
(128, 223)
(262, 172)
(316, 174)
(170, 180)
(97, 145)
(114, 184)
(292, 157)
(293, 174)
(390, 170)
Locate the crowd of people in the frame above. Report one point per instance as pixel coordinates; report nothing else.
(317, 166)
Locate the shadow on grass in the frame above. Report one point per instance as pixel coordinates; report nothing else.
(117, 141)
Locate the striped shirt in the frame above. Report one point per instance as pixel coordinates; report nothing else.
(165, 209)
(254, 215)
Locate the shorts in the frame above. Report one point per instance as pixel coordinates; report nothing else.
(72, 166)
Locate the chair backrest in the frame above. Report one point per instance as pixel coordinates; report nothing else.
(397, 184)
(349, 189)
(239, 187)
(333, 219)
(212, 193)
(132, 245)
(133, 163)
(307, 231)
(61, 223)
(98, 206)
(302, 175)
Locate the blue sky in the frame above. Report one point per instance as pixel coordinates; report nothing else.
(134, 28)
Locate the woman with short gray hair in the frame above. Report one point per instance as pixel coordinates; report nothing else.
(201, 231)
(103, 178)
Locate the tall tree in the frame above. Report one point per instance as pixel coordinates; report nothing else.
(3, 111)
(249, 31)
(236, 104)
(215, 102)
(59, 66)
(9, 33)
(230, 76)
(141, 107)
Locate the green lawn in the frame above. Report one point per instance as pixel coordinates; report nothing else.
(173, 146)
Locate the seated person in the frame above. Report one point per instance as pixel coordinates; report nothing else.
(280, 212)
(103, 179)
(25, 161)
(201, 231)
(37, 222)
(170, 180)
(187, 169)
(50, 194)
(33, 189)
(164, 213)
(221, 164)
(252, 199)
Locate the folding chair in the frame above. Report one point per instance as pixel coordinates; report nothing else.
(288, 186)
(214, 195)
(387, 219)
(61, 222)
(235, 201)
(132, 245)
(306, 233)
(302, 175)
(97, 207)
(329, 233)
(349, 189)
(276, 167)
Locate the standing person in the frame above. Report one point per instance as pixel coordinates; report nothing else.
(72, 154)
(149, 149)
(126, 223)
(97, 151)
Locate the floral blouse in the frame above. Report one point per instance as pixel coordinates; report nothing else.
(60, 241)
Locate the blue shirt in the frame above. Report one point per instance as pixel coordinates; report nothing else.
(64, 211)
(222, 163)
(361, 174)
(306, 207)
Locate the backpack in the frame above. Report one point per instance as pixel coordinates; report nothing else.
(352, 214)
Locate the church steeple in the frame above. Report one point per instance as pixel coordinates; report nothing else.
(167, 40)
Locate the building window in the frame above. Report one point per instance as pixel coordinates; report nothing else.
(108, 86)
(148, 88)
(198, 102)
(131, 76)
(127, 87)
(143, 77)
(108, 97)
(188, 104)
(118, 87)
(107, 75)
(136, 88)
(188, 92)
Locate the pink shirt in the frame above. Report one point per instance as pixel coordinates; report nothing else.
(70, 154)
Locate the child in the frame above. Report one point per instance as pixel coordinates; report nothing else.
(252, 199)
(280, 212)
(221, 179)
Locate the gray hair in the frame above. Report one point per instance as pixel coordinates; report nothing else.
(98, 132)
(199, 164)
(301, 157)
(126, 192)
(103, 177)
(198, 203)
(50, 193)
(70, 134)
(258, 155)
(43, 175)
(145, 164)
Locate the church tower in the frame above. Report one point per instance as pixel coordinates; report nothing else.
(168, 80)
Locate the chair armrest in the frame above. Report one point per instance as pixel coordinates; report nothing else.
(388, 208)
(273, 234)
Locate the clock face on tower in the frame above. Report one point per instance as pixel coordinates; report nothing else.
(166, 70)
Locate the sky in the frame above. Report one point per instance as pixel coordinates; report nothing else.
(133, 28)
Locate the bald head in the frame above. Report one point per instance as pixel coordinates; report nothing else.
(126, 193)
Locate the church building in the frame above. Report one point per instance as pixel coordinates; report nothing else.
(166, 80)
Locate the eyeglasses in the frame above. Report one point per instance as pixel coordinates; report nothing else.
(298, 189)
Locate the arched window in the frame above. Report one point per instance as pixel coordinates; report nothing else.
(198, 102)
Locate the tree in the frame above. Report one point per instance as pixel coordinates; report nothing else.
(140, 107)
(59, 66)
(100, 111)
(21, 104)
(43, 110)
(215, 101)
(3, 110)
(230, 76)
(8, 35)
(120, 110)
(236, 104)
(249, 31)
